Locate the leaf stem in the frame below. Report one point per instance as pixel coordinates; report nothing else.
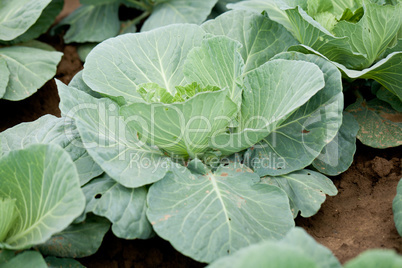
(137, 19)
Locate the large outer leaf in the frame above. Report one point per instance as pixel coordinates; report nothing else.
(117, 66)
(113, 147)
(16, 16)
(124, 207)
(26, 259)
(376, 258)
(213, 215)
(4, 76)
(50, 129)
(380, 125)
(306, 190)
(91, 23)
(260, 37)
(44, 182)
(182, 129)
(271, 93)
(302, 136)
(178, 11)
(397, 208)
(43, 23)
(216, 63)
(374, 32)
(77, 240)
(337, 156)
(296, 249)
(30, 68)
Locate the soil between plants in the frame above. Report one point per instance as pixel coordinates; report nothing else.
(358, 218)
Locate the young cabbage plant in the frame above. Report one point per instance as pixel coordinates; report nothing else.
(198, 112)
(26, 64)
(361, 37)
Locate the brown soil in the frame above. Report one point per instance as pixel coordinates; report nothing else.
(358, 218)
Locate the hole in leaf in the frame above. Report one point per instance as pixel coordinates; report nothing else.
(308, 173)
(228, 251)
(98, 196)
(230, 219)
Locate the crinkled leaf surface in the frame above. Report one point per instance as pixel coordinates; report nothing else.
(26, 259)
(45, 184)
(178, 11)
(17, 16)
(4, 76)
(43, 23)
(261, 38)
(306, 190)
(91, 23)
(271, 93)
(310, 33)
(380, 125)
(213, 215)
(52, 130)
(53, 262)
(337, 156)
(303, 135)
(376, 258)
(216, 63)
(117, 66)
(113, 147)
(386, 71)
(77, 240)
(397, 208)
(124, 207)
(372, 34)
(29, 68)
(182, 129)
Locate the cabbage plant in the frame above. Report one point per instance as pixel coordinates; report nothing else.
(204, 132)
(361, 37)
(26, 64)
